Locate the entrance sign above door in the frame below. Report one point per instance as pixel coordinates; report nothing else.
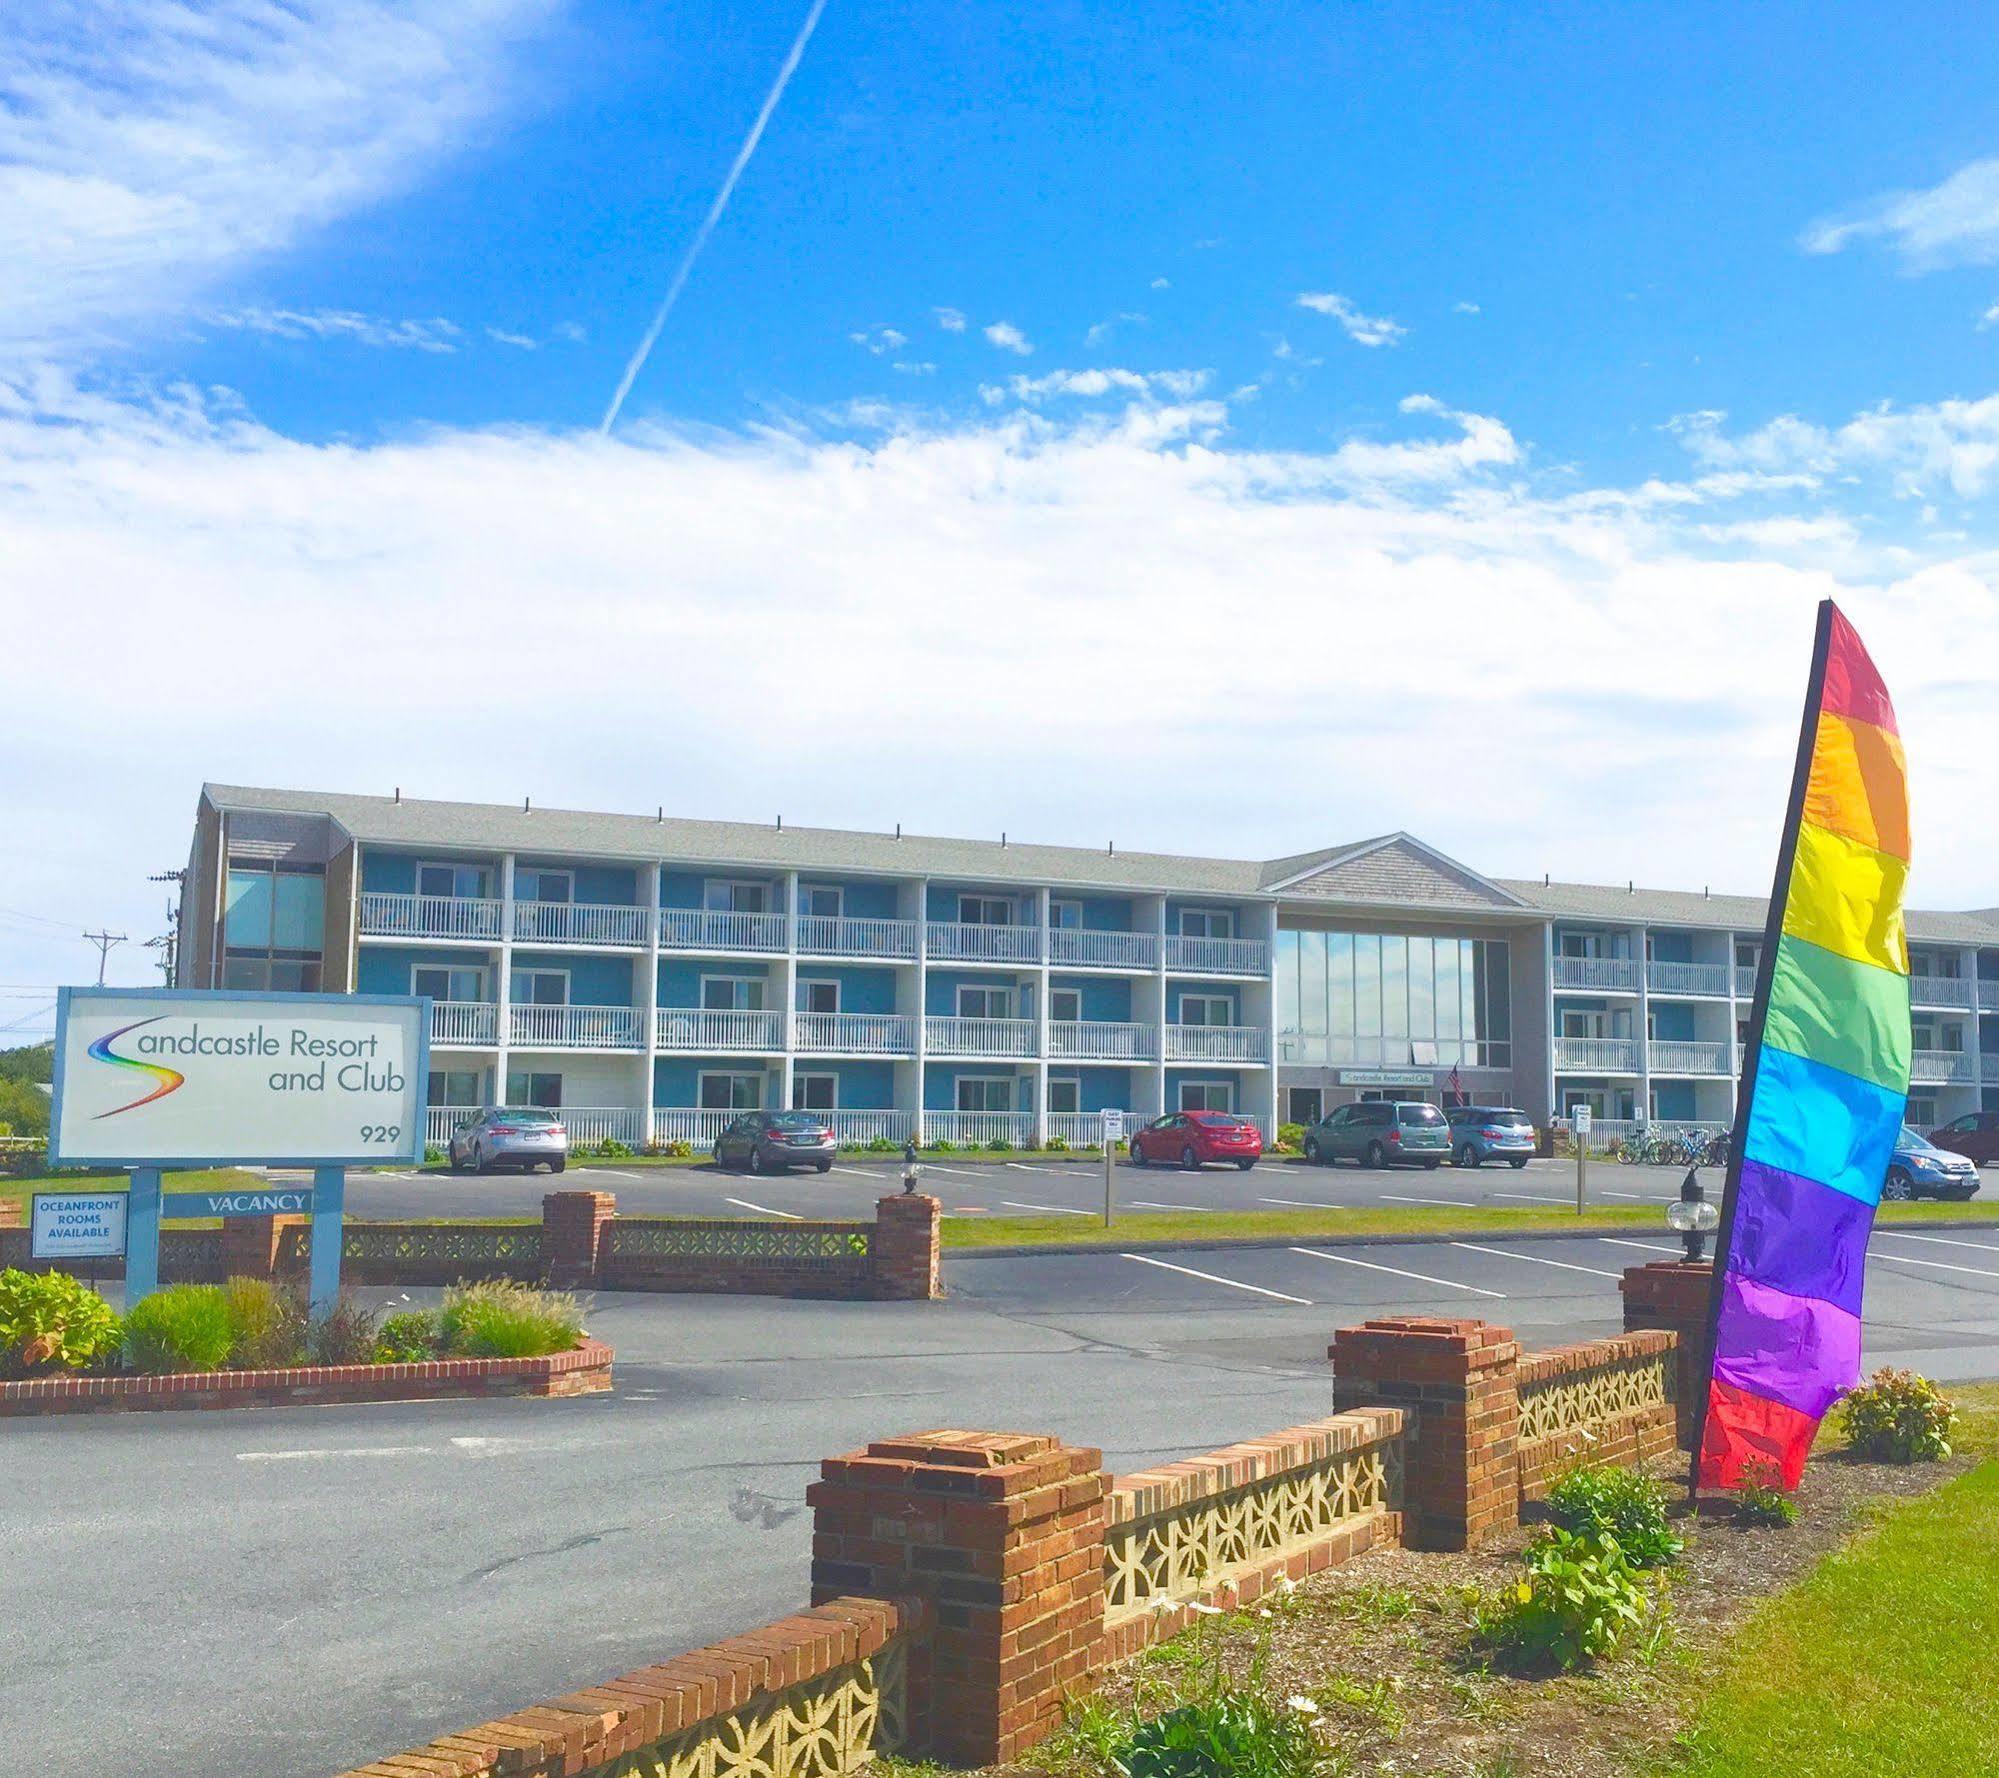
(1386, 1077)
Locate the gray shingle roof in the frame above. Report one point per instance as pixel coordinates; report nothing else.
(1615, 904)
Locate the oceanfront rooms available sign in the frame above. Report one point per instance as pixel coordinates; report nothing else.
(185, 1077)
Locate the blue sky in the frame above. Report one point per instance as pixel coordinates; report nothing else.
(1038, 351)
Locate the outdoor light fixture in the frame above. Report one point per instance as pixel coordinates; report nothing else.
(1693, 1218)
(909, 1166)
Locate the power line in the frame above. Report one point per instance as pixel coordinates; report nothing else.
(104, 941)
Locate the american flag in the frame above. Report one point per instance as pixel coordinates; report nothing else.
(1457, 1086)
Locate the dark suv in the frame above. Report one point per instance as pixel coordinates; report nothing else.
(776, 1141)
(1379, 1134)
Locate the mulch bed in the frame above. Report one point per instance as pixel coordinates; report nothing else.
(1382, 1643)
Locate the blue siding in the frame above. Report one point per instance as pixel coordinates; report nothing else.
(1675, 1099)
(864, 1086)
(676, 1080)
(610, 885)
(1672, 947)
(1100, 1089)
(388, 873)
(593, 980)
(1672, 1022)
(861, 989)
(1103, 997)
(1174, 1076)
(942, 900)
(861, 898)
(1174, 903)
(680, 978)
(385, 969)
(1178, 992)
(940, 994)
(940, 1083)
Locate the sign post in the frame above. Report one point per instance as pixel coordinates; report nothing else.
(1113, 1134)
(1579, 1120)
(158, 1079)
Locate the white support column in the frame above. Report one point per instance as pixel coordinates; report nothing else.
(1643, 940)
(653, 878)
(1734, 1021)
(1274, 1096)
(920, 891)
(1041, 899)
(504, 995)
(1159, 1104)
(788, 987)
(1548, 975)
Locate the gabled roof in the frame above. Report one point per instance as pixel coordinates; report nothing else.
(1631, 904)
(1396, 869)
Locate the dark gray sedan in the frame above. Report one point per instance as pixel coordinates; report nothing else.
(776, 1141)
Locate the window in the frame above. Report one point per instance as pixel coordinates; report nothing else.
(732, 1092)
(453, 1086)
(539, 987)
(732, 993)
(826, 900)
(815, 1092)
(1207, 1009)
(1305, 1104)
(984, 1003)
(273, 925)
(465, 881)
(544, 885)
(984, 910)
(542, 1090)
(1207, 923)
(1065, 1093)
(1207, 1095)
(1065, 1005)
(1065, 915)
(985, 1092)
(452, 983)
(818, 996)
(1922, 1110)
(722, 896)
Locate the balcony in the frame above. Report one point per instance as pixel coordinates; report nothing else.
(827, 935)
(1217, 956)
(1102, 1040)
(1988, 995)
(978, 1129)
(1103, 950)
(952, 941)
(852, 1033)
(464, 1024)
(708, 1029)
(979, 1037)
(1935, 1068)
(578, 1027)
(1681, 1057)
(385, 915)
(1702, 979)
(581, 923)
(1988, 1067)
(855, 1129)
(1216, 1043)
(1596, 1055)
(1745, 982)
(686, 1123)
(1944, 990)
(1604, 975)
(710, 929)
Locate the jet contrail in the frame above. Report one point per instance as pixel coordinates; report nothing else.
(714, 216)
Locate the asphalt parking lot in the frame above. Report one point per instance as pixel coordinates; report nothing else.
(1009, 1188)
(371, 1576)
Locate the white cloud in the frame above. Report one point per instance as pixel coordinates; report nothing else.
(500, 336)
(1102, 330)
(571, 332)
(433, 335)
(914, 368)
(1955, 222)
(951, 320)
(1989, 319)
(1362, 329)
(1178, 385)
(148, 147)
(1162, 283)
(1951, 445)
(1009, 338)
(1464, 308)
(880, 340)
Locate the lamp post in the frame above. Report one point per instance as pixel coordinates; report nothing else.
(1693, 1218)
(909, 1167)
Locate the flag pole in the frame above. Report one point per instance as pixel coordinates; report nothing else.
(1766, 964)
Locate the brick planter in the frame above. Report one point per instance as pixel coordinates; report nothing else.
(583, 1370)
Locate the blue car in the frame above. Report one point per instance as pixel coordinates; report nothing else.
(1920, 1169)
(1481, 1133)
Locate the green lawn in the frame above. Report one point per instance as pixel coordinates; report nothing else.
(1879, 1665)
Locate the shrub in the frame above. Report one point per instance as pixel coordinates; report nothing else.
(1760, 1500)
(999, 1145)
(407, 1337)
(267, 1326)
(1596, 1499)
(881, 1145)
(503, 1319)
(610, 1149)
(1058, 1145)
(1290, 1135)
(1580, 1598)
(345, 1334)
(1230, 1734)
(184, 1327)
(943, 1145)
(673, 1151)
(433, 1156)
(50, 1320)
(1898, 1417)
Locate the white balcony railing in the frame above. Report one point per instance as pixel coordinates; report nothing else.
(1988, 995)
(1681, 1057)
(581, 923)
(703, 1028)
(1597, 1055)
(867, 1032)
(589, 1124)
(709, 929)
(1103, 950)
(685, 1123)
(976, 1129)
(384, 915)
(1988, 1067)
(440, 1120)
(1216, 1043)
(464, 1024)
(855, 1129)
(978, 1037)
(1102, 1040)
(1942, 990)
(1612, 975)
(1084, 1129)
(951, 940)
(1687, 978)
(1217, 956)
(578, 1027)
(828, 935)
(1940, 1067)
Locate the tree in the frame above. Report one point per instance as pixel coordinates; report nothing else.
(32, 1062)
(24, 1106)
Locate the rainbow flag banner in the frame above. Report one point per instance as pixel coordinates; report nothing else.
(1825, 1081)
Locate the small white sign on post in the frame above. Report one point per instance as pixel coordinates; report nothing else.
(1113, 1134)
(1579, 1117)
(1113, 1127)
(77, 1225)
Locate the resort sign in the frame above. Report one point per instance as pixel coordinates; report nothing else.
(187, 1077)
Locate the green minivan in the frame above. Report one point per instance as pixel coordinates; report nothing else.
(1379, 1134)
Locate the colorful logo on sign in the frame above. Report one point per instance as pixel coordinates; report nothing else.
(166, 1079)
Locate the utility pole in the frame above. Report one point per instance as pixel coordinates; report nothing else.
(104, 941)
(164, 943)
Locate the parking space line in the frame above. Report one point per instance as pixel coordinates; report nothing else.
(1937, 1265)
(1643, 1246)
(1400, 1198)
(1531, 1197)
(1643, 1197)
(1046, 1209)
(1212, 1278)
(955, 1172)
(856, 1172)
(1534, 1259)
(1303, 1203)
(1368, 1265)
(762, 1209)
(1940, 1241)
(1150, 1204)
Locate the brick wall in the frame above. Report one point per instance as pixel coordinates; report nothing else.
(1604, 1401)
(1672, 1294)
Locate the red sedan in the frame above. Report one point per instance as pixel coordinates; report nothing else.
(1193, 1138)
